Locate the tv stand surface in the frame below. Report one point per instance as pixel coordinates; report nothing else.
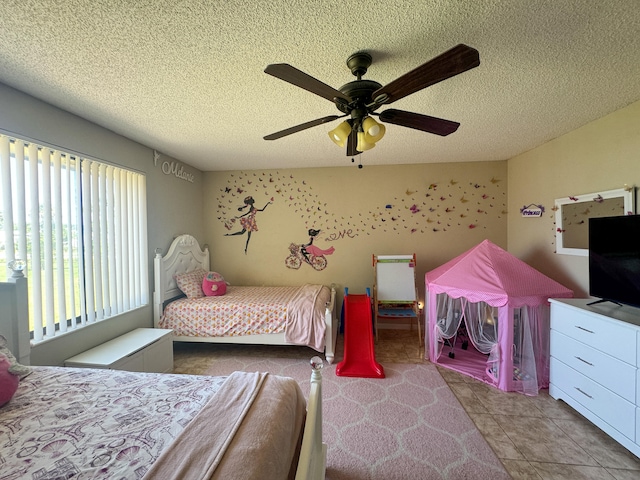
(595, 365)
(603, 300)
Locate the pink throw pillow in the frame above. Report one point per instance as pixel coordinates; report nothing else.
(8, 381)
(213, 284)
(190, 283)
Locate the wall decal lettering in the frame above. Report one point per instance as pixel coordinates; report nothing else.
(174, 168)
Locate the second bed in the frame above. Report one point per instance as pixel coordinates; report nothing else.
(288, 315)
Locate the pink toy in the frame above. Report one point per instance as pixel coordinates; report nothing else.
(213, 284)
(8, 381)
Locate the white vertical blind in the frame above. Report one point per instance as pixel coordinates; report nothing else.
(78, 235)
(95, 237)
(81, 226)
(7, 201)
(124, 236)
(111, 241)
(59, 239)
(87, 241)
(47, 240)
(143, 266)
(35, 272)
(104, 244)
(119, 258)
(135, 234)
(20, 218)
(69, 191)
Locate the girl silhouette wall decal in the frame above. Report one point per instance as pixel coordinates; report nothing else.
(248, 220)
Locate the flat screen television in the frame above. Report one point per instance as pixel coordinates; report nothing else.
(614, 259)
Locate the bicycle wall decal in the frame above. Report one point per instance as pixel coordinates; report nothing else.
(308, 253)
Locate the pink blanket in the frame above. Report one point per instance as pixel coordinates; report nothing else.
(305, 324)
(249, 430)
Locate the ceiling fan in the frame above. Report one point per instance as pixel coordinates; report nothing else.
(360, 98)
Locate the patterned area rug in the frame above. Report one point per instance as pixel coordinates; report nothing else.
(408, 425)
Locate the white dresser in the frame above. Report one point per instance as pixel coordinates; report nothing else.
(595, 360)
(141, 350)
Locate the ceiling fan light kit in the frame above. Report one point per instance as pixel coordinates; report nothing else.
(360, 98)
(372, 131)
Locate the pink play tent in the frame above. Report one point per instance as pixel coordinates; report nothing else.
(488, 317)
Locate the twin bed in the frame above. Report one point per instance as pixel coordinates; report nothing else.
(86, 423)
(109, 424)
(304, 315)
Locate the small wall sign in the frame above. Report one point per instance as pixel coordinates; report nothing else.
(532, 211)
(173, 168)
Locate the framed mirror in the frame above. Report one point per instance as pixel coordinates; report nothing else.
(573, 213)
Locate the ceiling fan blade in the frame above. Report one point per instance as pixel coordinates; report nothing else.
(452, 62)
(352, 142)
(439, 126)
(296, 77)
(302, 126)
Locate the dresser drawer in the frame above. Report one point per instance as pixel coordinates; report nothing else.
(613, 409)
(613, 338)
(614, 374)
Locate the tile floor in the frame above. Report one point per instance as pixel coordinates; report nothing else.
(534, 437)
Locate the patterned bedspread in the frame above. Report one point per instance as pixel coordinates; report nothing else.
(84, 423)
(241, 311)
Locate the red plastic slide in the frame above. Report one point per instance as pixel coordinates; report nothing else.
(359, 355)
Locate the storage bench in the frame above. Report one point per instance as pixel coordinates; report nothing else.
(141, 350)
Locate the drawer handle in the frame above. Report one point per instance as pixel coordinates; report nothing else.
(584, 393)
(584, 329)
(584, 361)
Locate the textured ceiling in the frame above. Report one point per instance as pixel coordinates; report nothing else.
(186, 77)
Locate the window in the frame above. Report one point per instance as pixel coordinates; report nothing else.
(81, 226)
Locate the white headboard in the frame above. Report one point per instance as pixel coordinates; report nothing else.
(184, 255)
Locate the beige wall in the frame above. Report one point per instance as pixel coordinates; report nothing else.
(602, 155)
(349, 206)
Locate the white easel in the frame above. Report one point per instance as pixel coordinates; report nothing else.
(394, 292)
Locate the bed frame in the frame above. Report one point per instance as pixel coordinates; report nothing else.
(313, 453)
(185, 255)
(14, 320)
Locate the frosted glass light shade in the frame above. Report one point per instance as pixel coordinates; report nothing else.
(363, 144)
(340, 134)
(373, 130)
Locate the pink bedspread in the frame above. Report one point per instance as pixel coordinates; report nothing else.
(251, 311)
(108, 424)
(83, 423)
